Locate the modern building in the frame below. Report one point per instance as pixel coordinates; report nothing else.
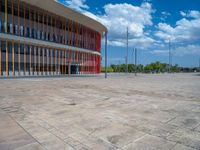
(45, 38)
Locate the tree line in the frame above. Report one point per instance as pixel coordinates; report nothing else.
(155, 67)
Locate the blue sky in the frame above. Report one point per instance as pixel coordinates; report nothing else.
(152, 24)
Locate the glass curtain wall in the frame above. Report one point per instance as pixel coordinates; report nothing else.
(20, 59)
(21, 19)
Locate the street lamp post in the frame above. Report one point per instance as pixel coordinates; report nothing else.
(106, 55)
(127, 52)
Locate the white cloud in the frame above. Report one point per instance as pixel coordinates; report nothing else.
(76, 4)
(185, 30)
(142, 42)
(160, 52)
(129, 16)
(164, 15)
(183, 13)
(191, 13)
(179, 51)
(187, 50)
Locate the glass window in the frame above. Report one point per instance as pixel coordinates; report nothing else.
(9, 56)
(22, 57)
(16, 56)
(3, 53)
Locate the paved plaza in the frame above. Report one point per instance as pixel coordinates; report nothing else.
(147, 112)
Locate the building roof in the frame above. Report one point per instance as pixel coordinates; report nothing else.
(57, 8)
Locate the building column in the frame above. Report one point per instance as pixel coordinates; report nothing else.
(105, 55)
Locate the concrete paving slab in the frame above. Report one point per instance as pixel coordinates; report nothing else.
(149, 142)
(186, 137)
(121, 112)
(182, 147)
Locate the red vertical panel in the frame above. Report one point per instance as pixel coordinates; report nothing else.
(86, 62)
(96, 47)
(96, 63)
(83, 63)
(91, 63)
(87, 39)
(98, 42)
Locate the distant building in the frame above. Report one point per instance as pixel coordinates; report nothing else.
(45, 38)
